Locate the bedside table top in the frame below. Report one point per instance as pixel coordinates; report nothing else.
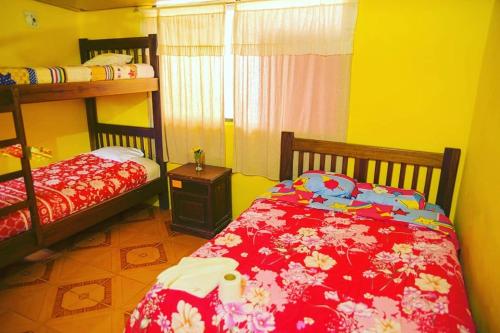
(208, 174)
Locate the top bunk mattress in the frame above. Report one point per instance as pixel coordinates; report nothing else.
(66, 74)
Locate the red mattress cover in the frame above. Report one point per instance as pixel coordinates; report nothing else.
(66, 187)
(314, 270)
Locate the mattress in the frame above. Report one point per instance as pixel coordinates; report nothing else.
(65, 74)
(320, 270)
(66, 187)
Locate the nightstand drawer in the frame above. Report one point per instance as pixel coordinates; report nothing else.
(188, 186)
(190, 209)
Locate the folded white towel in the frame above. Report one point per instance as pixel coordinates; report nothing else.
(197, 276)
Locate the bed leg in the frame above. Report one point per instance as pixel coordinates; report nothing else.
(163, 198)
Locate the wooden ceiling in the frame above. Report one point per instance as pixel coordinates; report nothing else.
(90, 5)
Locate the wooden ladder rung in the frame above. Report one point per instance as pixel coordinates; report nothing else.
(14, 207)
(9, 142)
(11, 175)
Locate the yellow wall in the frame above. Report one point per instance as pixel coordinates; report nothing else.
(60, 126)
(54, 42)
(477, 212)
(415, 71)
(110, 23)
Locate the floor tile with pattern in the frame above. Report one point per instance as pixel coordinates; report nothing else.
(95, 279)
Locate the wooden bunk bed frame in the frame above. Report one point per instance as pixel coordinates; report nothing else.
(148, 139)
(343, 155)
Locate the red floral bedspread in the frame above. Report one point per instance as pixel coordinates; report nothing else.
(66, 187)
(315, 270)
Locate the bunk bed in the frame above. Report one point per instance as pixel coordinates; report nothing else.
(147, 139)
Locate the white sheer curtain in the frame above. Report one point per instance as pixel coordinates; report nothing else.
(292, 72)
(191, 48)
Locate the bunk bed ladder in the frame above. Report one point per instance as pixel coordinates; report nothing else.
(9, 103)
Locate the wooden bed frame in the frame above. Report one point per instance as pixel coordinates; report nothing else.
(345, 156)
(149, 140)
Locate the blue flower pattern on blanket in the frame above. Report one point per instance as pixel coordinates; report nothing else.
(6, 80)
(432, 219)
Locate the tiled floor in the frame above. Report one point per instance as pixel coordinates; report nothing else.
(96, 278)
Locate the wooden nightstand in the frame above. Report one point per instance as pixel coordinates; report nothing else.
(201, 201)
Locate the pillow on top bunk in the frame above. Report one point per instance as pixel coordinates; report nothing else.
(109, 59)
(119, 154)
(325, 183)
(387, 195)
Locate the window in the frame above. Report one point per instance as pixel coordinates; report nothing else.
(269, 65)
(228, 64)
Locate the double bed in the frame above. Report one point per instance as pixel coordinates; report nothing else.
(319, 255)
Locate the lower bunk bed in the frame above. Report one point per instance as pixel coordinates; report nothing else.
(75, 194)
(323, 252)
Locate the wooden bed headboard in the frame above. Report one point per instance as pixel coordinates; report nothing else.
(148, 139)
(138, 47)
(366, 163)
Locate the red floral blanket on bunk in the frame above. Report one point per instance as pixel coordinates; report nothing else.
(314, 270)
(66, 187)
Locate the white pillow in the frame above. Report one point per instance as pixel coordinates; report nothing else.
(109, 59)
(152, 168)
(119, 154)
